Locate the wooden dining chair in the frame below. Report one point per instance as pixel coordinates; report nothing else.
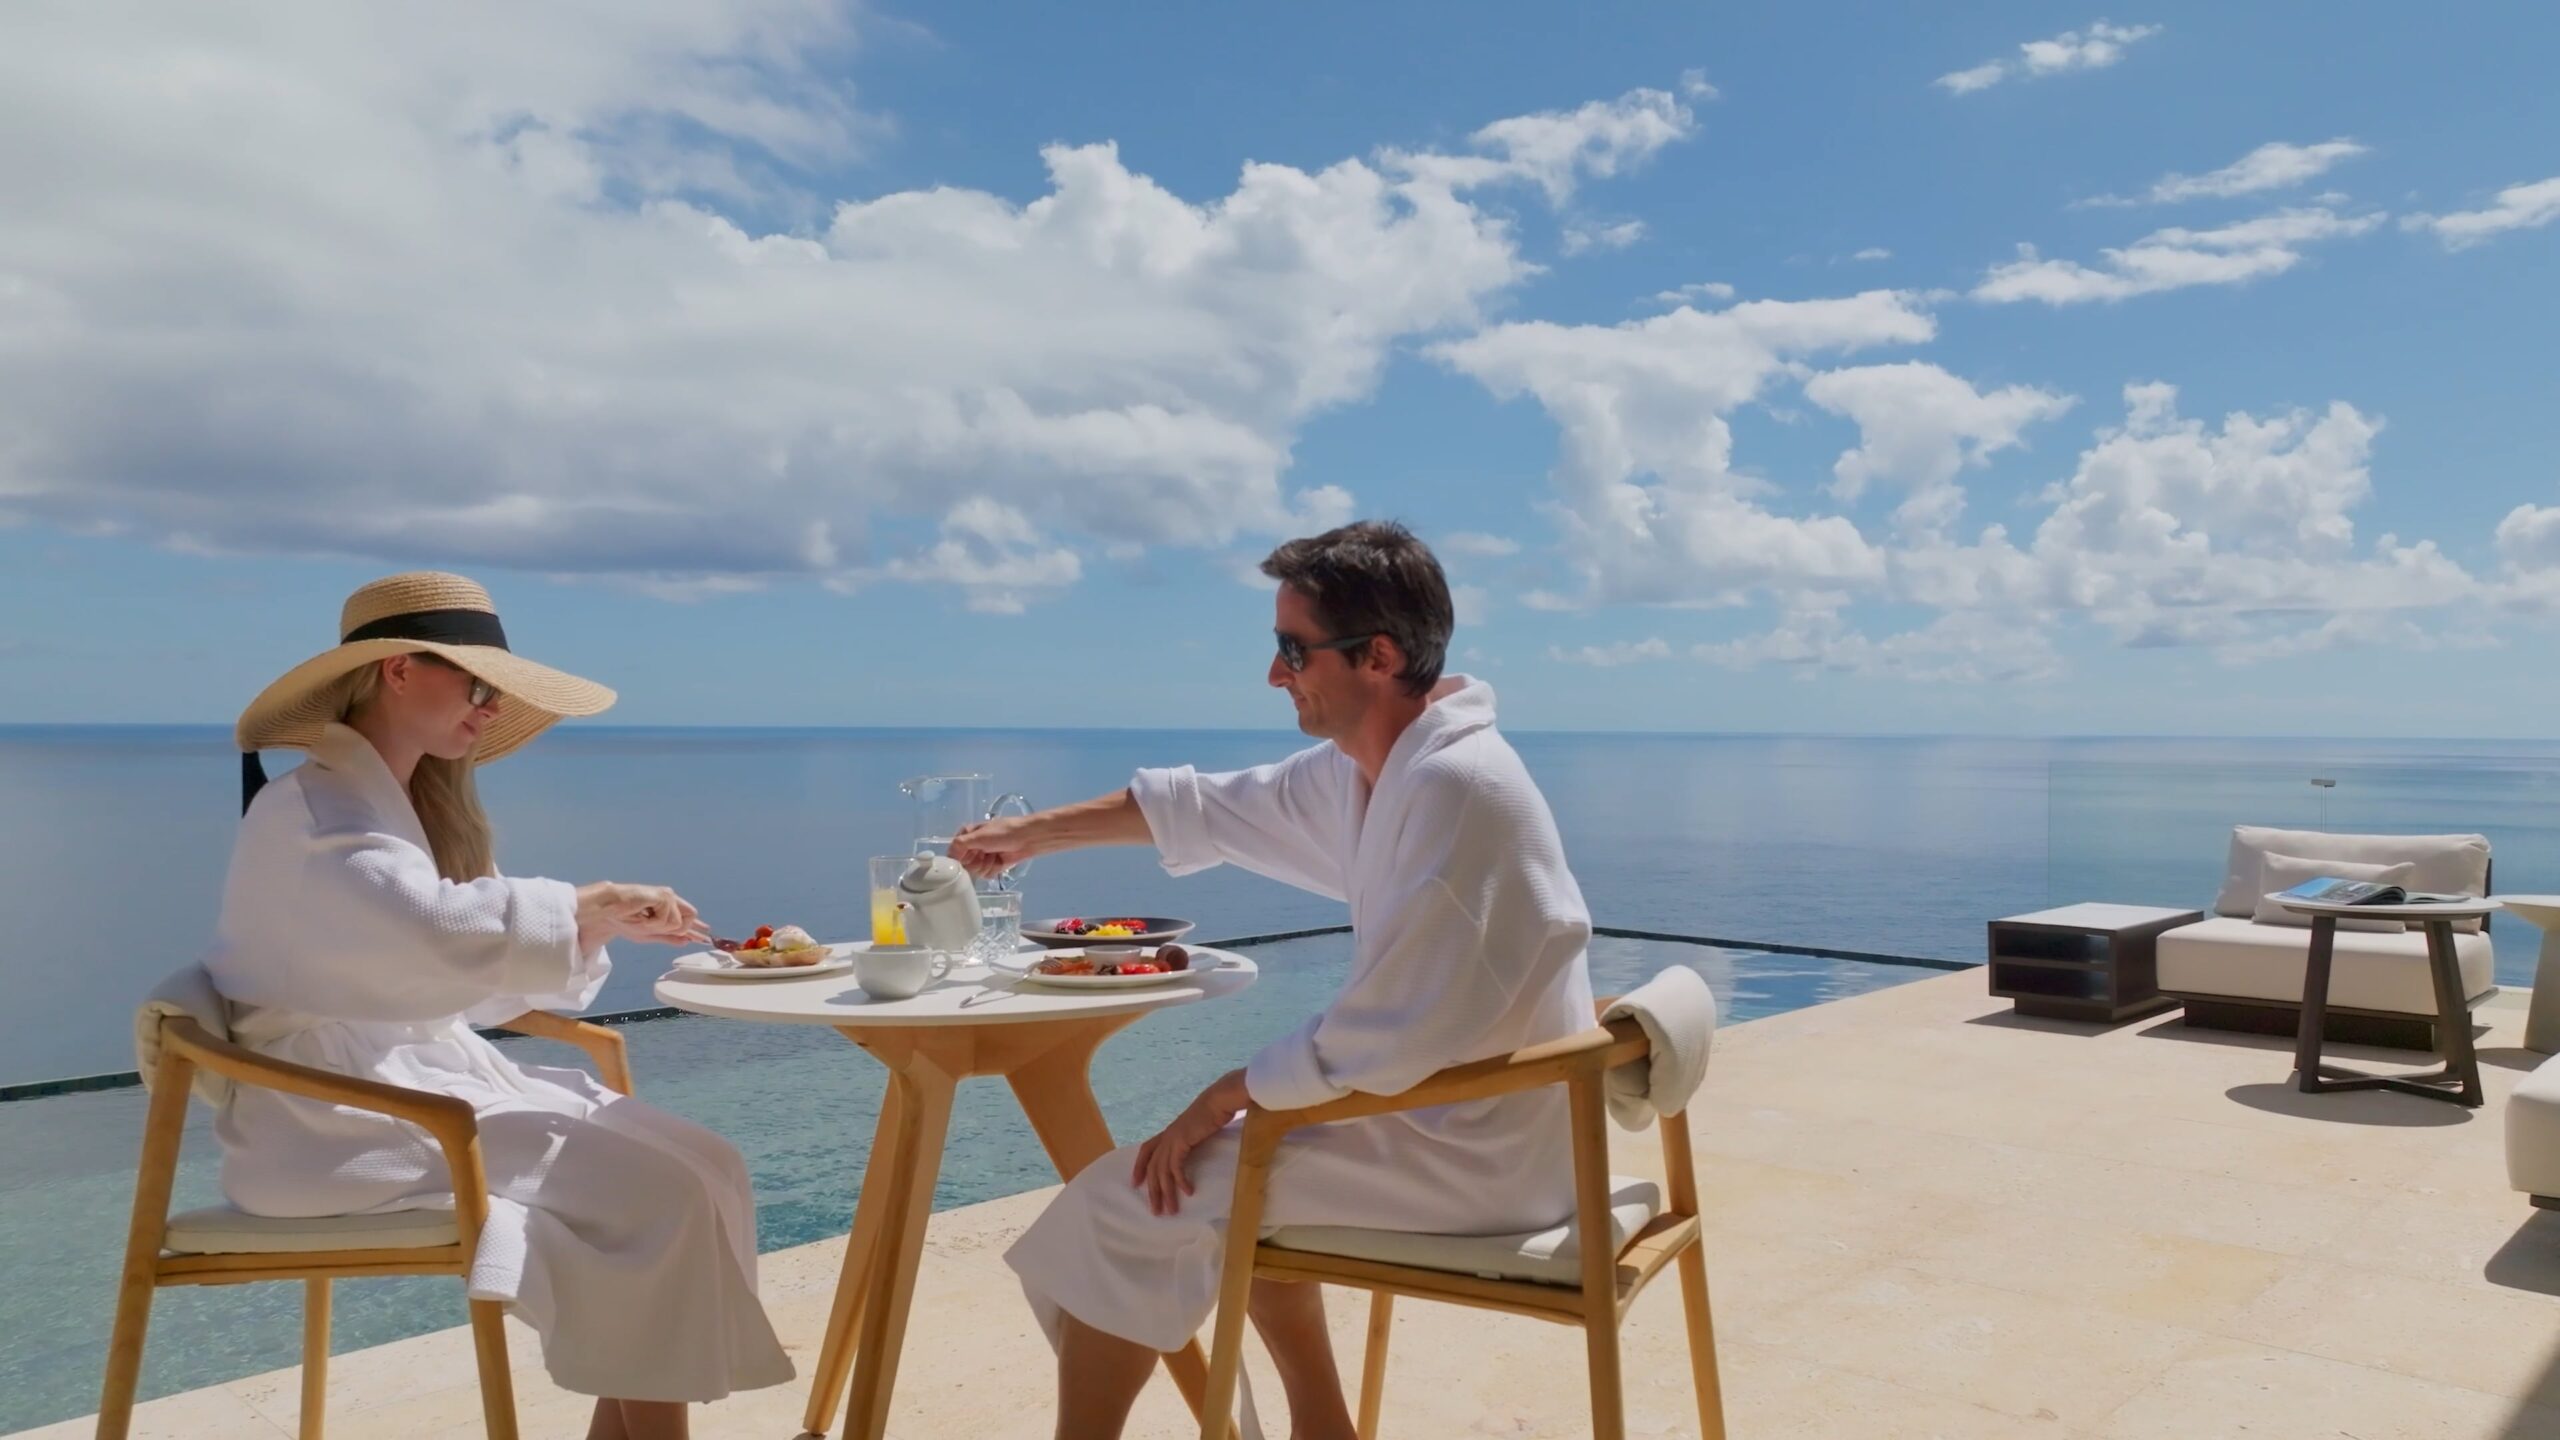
(1586, 1274)
(223, 1246)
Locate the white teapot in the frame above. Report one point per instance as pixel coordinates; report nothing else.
(942, 904)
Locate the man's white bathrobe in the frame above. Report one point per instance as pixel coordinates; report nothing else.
(624, 1235)
(1469, 940)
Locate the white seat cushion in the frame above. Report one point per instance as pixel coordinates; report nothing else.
(221, 1230)
(2248, 961)
(2533, 1132)
(1548, 1257)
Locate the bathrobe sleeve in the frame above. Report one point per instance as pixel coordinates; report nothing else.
(1462, 928)
(1282, 820)
(353, 923)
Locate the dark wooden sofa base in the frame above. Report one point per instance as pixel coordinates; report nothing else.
(2351, 1027)
(2545, 1202)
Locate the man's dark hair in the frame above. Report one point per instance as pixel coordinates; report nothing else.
(1372, 577)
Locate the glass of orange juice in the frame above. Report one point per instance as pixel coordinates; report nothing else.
(888, 915)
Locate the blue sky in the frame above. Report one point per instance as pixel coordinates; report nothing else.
(777, 362)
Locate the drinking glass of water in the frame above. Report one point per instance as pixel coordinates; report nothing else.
(999, 926)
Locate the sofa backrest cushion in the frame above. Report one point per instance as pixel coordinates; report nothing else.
(2283, 872)
(2448, 864)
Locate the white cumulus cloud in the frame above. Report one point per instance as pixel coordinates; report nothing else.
(1651, 508)
(2173, 259)
(2518, 207)
(561, 289)
(1702, 290)
(1582, 237)
(1919, 425)
(2276, 165)
(1555, 150)
(2095, 48)
(1477, 543)
(1612, 655)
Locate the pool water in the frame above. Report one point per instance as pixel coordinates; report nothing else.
(798, 1101)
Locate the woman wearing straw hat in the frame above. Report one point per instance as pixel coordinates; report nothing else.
(365, 929)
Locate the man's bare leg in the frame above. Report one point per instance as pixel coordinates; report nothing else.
(1099, 1377)
(1289, 1316)
(607, 1424)
(656, 1420)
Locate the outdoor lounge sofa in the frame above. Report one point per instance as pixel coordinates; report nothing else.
(2236, 971)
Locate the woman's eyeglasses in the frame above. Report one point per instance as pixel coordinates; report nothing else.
(1294, 651)
(483, 694)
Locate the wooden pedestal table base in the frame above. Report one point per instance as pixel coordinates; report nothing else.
(1040, 1041)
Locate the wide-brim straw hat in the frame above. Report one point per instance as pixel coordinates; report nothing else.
(443, 615)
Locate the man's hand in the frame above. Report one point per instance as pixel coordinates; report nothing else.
(990, 847)
(1163, 1166)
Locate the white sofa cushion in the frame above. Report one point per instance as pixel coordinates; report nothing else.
(2248, 961)
(221, 1230)
(2283, 872)
(2533, 1132)
(1547, 1257)
(2447, 864)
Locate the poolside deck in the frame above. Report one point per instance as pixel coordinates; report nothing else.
(1926, 1219)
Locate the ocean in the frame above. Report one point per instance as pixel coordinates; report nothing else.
(113, 840)
(112, 846)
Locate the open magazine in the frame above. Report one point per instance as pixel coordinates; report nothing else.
(2331, 891)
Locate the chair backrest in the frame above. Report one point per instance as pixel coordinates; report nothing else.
(187, 994)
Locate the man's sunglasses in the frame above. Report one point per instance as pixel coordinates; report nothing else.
(483, 693)
(1294, 651)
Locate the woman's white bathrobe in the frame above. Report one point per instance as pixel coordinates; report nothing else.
(1469, 939)
(624, 1235)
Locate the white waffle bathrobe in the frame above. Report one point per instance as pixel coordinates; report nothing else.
(625, 1236)
(1469, 939)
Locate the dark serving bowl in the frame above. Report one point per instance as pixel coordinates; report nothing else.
(1160, 930)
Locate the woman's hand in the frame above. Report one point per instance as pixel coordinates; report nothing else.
(1163, 1166)
(654, 913)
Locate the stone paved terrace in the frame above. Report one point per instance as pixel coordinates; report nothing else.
(1926, 1218)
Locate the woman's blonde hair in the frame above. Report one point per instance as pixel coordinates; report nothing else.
(444, 794)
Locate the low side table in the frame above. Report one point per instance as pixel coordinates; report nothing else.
(2083, 962)
(2458, 1079)
(2542, 1018)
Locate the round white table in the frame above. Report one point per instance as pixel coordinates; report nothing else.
(2542, 1017)
(1041, 1039)
(2458, 1079)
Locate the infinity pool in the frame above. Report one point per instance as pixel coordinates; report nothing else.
(799, 1102)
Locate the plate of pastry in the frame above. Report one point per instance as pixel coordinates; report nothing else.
(772, 953)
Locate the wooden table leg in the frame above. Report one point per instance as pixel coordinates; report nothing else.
(1055, 1090)
(2315, 1003)
(2457, 1079)
(2453, 1014)
(862, 1244)
(930, 1077)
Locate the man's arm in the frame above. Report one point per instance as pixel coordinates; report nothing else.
(990, 846)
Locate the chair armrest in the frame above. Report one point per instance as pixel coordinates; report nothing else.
(602, 1044)
(1590, 1053)
(444, 1116)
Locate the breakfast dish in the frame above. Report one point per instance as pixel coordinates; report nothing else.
(787, 947)
(1073, 931)
(1113, 967)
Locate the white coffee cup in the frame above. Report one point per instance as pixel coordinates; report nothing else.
(895, 972)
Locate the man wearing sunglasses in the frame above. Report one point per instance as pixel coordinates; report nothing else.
(1468, 941)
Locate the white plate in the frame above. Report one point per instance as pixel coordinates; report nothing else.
(1029, 976)
(703, 963)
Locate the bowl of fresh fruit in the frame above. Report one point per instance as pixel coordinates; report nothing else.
(1076, 931)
